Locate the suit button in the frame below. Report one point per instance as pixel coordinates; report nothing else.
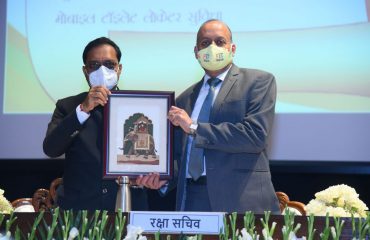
(74, 133)
(105, 190)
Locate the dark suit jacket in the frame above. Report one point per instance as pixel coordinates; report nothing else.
(234, 142)
(82, 144)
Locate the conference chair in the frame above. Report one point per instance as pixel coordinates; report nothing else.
(53, 190)
(23, 205)
(42, 199)
(294, 206)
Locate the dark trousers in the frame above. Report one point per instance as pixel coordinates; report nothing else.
(197, 199)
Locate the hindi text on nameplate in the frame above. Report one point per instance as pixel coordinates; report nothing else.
(209, 223)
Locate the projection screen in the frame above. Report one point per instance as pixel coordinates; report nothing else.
(319, 52)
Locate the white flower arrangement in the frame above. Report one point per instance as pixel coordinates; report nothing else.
(338, 201)
(5, 206)
(83, 226)
(244, 235)
(73, 233)
(134, 233)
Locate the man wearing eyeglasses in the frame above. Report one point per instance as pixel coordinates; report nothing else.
(76, 130)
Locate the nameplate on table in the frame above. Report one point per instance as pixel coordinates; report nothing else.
(209, 223)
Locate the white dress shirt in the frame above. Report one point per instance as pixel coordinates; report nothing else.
(197, 107)
(81, 115)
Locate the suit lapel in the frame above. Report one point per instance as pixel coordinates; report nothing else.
(189, 106)
(226, 87)
(193, 97)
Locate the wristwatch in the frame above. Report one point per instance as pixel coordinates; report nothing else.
(193, 128)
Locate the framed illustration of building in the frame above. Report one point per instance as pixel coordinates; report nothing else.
(137, 134)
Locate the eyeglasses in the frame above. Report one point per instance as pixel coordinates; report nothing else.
(95, 65)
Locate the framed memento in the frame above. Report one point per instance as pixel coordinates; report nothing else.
(137, 134)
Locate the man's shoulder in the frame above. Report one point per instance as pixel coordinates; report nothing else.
(187, 92)
(73, 99)
(248, 77)
(251, 72)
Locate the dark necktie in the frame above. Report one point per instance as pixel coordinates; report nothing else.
(196, 157)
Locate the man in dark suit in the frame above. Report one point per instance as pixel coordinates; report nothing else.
(76, 130)
(225, 119)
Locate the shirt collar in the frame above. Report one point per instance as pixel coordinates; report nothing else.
(221, 76)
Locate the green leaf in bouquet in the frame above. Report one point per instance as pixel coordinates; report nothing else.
(326, 232)
(310, 230)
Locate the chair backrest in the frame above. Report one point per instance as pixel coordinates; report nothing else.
(53, 189)
(23, 205)
(295, 206)
(42, 199)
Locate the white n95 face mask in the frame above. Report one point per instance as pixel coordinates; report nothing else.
(214, 58)
(103, 77)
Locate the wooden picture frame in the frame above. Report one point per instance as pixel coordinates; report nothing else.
(137, 134)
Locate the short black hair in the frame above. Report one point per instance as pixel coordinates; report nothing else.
(98, 42)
